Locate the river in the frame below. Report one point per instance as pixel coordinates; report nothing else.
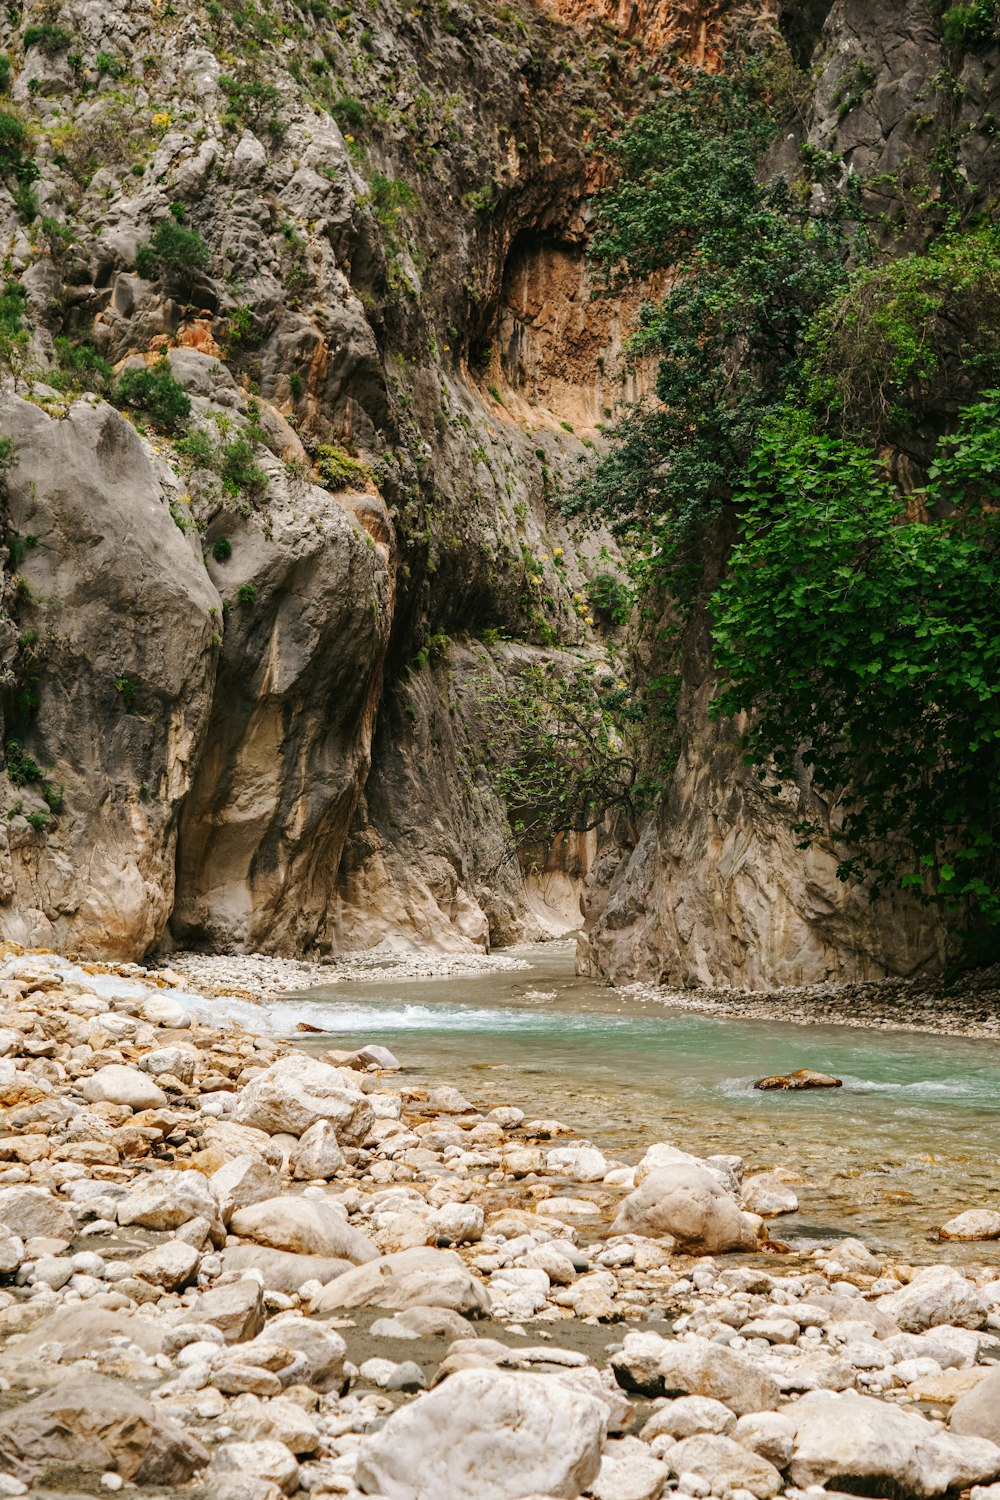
(912, 1138)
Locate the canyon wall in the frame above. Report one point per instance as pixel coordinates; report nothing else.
(242, 647)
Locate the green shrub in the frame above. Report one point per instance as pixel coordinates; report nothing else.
(15, 157)
(5, 72)
(252, 103)
(198, 447)
(155, 392)
(338, 470)
(12, 332)
(39, 821)
(348, 113)
(222, 549)
(610, 598)
(239, 469)
(873, 641)
(22, 769)
(108, 65)
(970, 25)
(81, 367)
(175, 253)
(246, 593)
(47, 37)
(126, 688)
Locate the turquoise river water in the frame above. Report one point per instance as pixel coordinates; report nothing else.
(912, 1138)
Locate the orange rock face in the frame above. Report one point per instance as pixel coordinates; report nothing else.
(691, 28)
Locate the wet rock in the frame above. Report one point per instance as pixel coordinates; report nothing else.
(686, 1202)
(655, 1366)
(420, 1277)
(374, 1056)
(802, 1078)
(295, 1092)
(767, 1195)
(841, 1435)
(95, 1424)
(974, 1224)
(305, 1226)
(487, 1435)
(977, 1413)
(118, 1084)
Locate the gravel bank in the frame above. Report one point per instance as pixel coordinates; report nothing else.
(230, 1270)
(969, 1007)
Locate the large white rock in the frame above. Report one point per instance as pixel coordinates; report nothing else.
(420, 1277)
(318, 1153)
(267, 1459)
(581, 1163)
(936, 1295)
(241, 1182)
(842, 1435)
(974, 1224)
(30, 1211)
(724, 1465)
(767, 1195)
(977, 1413)
(629, 1472)
(656, 1366)
(307, 1226)
(687, 1202)
(166, 1200)
(119, 1084)
(296, 1091)
(487, 1435)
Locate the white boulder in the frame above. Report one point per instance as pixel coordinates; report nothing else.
(487, 1435)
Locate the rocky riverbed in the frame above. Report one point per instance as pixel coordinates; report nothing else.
(232, 1270)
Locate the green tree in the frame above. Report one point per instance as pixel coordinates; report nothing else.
(863, 639)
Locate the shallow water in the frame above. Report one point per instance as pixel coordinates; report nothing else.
(912, 1138)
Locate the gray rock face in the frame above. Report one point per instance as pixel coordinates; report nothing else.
(108, 552)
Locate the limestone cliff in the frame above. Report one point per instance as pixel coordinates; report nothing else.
(241, 637)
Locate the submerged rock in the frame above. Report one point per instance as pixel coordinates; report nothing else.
(802, 1078)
